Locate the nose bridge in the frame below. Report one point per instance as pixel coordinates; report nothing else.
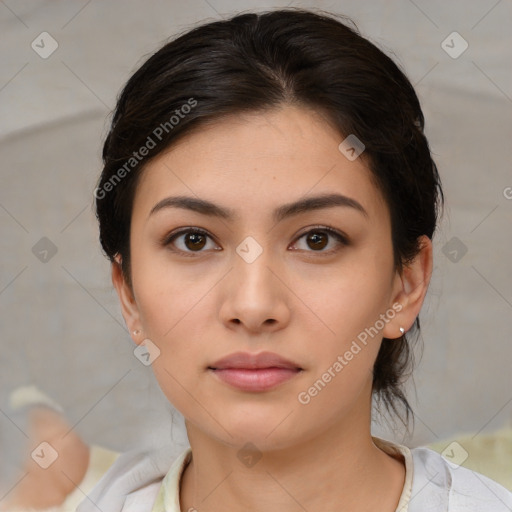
(251, 266)
(255, 293)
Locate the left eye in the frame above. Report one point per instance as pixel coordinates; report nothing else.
(317, 239)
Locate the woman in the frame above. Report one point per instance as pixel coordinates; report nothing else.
(268, 202)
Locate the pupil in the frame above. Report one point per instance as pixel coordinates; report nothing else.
(197, 240)
(316, 238)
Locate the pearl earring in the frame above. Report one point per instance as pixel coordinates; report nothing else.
(402, 330)
(136, 332)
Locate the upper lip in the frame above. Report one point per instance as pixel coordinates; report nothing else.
(246, 360)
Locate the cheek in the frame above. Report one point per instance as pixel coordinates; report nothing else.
(346, 309)
(344, 354)
(348, 298)
(175, 310)
(167, 296)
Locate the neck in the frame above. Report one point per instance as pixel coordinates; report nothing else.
(341, 469)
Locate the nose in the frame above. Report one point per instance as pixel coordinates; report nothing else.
(255, 296)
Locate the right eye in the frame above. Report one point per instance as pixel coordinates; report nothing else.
(188, 241)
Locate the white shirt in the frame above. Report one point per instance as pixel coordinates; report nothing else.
(431, 484)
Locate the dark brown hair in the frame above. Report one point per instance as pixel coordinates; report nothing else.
(255, 62)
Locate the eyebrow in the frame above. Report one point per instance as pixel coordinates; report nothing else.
(205, 207)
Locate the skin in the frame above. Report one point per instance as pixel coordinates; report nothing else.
(294, 299)
(42, 488)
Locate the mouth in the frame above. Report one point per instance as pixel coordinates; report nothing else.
(254, 372)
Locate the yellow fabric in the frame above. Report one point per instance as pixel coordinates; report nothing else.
(489, 454)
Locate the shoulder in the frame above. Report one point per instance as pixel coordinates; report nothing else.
(143, 498)
(131, 484)
(439, 483)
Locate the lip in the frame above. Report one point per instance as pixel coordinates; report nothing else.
(254, 372)
(248, 361)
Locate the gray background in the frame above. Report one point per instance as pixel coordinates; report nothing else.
(60, 322)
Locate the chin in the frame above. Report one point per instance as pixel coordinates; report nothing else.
(267, 430)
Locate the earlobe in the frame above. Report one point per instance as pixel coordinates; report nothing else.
(129, 308)
(412, 286)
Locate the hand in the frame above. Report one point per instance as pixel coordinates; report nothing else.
(44, 488)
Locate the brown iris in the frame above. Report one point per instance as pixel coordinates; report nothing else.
(316, 240)
(196, 241)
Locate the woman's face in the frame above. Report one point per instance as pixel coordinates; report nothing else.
(265, 276)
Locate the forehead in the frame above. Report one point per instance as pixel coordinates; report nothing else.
(255, 162)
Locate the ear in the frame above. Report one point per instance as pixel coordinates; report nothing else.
(129, 308)
(410, 289)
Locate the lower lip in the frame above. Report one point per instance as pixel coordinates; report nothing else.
(261, 379)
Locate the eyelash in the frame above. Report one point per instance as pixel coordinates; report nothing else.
(340, 237)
